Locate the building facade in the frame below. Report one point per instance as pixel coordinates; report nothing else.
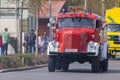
(15, 17)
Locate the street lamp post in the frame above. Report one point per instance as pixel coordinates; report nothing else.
(50, 15)
(50, 8)
(21, 27)
(19, 24)
(85, 4)
(0, 9)
(38, 5)
(19, 30)
(103, 9)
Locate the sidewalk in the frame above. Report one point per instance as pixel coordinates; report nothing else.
(22, 68)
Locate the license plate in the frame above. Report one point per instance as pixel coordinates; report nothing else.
(71, 50)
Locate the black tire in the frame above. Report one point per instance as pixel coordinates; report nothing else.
(58, 63)
(95, 65)
(51, 63)
(58, 66)
(65, 66)
(104, 65)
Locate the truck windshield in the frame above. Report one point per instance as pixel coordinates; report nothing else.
(114, 27)
(75, 22)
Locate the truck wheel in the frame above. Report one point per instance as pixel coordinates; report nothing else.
(65, 66)
(58, 63)
(104, 65)
(51, 63)
(95, 65)
(58, 66)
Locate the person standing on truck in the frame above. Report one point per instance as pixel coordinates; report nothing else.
(5, 38)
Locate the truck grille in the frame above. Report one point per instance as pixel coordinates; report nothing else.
(71, 41)
(75, 41)
(116, 39)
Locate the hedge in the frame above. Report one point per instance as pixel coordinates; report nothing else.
(22, 60)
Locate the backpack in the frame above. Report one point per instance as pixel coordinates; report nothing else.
(32, 38)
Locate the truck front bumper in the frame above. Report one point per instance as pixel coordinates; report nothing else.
(73, 53)
(114, 51)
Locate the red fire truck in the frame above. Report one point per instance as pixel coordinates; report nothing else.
(76, 38)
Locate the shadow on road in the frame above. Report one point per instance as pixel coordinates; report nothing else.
(79, 71)
(113, 71)
(89, 71)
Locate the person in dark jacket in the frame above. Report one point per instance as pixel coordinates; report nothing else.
(31, 42)
(26, 42)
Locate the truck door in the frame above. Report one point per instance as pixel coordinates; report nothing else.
(97, 31)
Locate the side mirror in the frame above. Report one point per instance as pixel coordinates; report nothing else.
(103, 27)
(49, 25)
(52, 20)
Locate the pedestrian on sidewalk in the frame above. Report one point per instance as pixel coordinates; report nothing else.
(31, 42)
(26, 41)
(1, 45)
(45, 43)
(5, 38)
(40, 43)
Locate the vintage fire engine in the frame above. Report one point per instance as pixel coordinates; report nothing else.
(76, 38)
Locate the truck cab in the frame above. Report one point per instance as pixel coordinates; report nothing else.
(76, 38)
(113, 31)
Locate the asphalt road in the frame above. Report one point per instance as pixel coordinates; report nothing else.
(76, 72)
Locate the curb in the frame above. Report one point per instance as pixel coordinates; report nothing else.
(22, 68)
